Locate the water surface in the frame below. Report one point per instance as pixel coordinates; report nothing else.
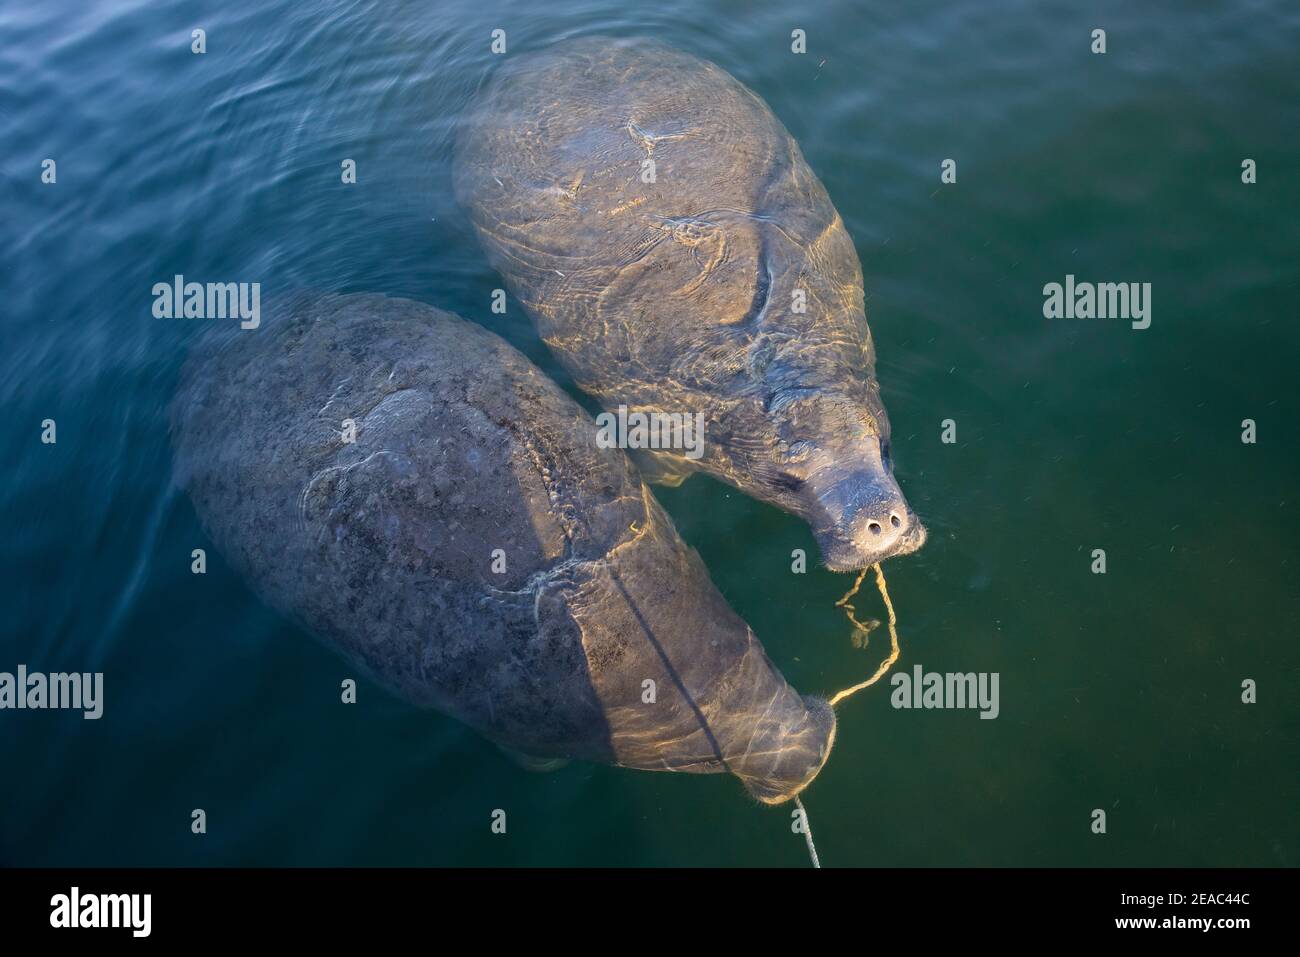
(1118, 691)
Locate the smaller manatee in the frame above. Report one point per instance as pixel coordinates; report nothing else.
(600, 638)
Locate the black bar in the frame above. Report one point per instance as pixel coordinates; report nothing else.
(241, 906)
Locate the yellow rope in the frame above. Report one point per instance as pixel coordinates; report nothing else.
(893, 633)
(885, 666)
(861, 629)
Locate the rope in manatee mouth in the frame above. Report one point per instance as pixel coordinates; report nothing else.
(861, 629)
(893, 631)
(840, 696)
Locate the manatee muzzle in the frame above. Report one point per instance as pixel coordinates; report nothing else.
(860, 517)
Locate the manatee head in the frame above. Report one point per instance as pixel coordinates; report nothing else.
(835, 468)
(782, 758)
(721, 705)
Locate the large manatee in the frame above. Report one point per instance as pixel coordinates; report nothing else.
(360, 459)
(678, 255)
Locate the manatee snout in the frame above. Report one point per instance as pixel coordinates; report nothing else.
(784, 756)
(863, 519)
(859, 514)
(835, 462)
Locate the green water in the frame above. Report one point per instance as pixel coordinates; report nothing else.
(1119, 691)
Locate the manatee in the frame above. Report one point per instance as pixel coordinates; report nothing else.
(718, 280)
(385, 547)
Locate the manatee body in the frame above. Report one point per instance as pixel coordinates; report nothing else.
(384, 546)
(683, 294)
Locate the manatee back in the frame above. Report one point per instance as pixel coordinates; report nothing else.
(566, 132)
(384, 546)
(685, 276)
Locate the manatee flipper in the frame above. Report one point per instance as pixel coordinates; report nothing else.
(531, 762)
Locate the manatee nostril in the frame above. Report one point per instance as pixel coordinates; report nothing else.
(895, 520)
(874, 528)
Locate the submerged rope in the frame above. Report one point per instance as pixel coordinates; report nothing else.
(807, 832)
(840, 696)
(893, 632)
(861, 629)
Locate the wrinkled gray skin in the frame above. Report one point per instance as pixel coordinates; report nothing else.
(383, 547)
(678, 295)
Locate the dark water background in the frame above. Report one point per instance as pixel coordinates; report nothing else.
(1118, 691)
